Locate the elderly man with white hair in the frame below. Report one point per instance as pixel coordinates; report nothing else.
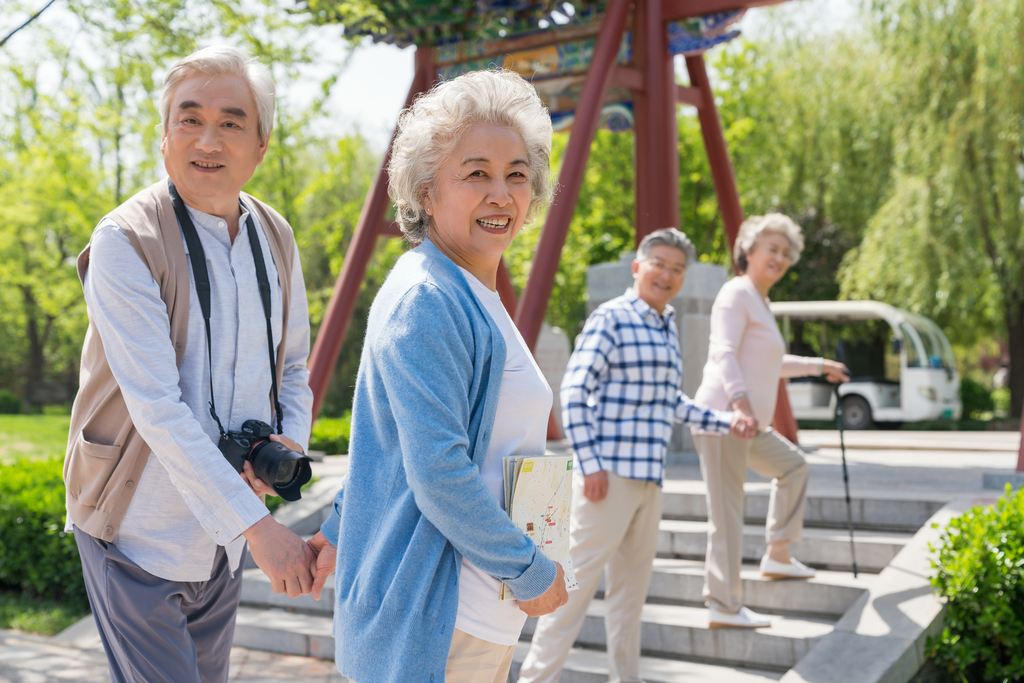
(746, 357)
(174, 358)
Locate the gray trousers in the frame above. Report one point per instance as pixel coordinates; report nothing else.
(155, 630)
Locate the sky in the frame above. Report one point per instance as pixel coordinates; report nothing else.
(372, 89)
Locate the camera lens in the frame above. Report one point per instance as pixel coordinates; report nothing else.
(285, 473)
(280, 467)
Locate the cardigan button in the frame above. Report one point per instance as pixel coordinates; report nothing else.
(109, 530)
(129, 484)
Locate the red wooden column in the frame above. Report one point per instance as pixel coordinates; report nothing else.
(729, 203)
(531, 309)
(370, 226)
(656, 131)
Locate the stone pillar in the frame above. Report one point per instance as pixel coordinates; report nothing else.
(552, 354)
(693, 319)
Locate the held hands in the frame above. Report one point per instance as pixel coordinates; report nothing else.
(553, 598)
(284, 557)
(326, 558)
(744, 424)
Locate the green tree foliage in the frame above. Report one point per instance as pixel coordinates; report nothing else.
(948, 242)
(51, 199)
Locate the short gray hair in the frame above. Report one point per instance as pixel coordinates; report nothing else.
(220, 60)
(669, 237)
(430, 130)
(756, 227)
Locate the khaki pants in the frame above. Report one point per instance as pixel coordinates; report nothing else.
(472, 660)
(618, 536)
(723, 462)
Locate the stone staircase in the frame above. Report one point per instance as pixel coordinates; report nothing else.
(676, 642)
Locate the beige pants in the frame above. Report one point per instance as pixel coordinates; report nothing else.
(723, 462)
(617, 536)
(472, 660)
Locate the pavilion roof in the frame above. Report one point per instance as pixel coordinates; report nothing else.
(436, 23)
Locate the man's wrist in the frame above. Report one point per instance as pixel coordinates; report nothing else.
(737, 397)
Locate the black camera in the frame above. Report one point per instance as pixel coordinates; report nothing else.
(274, 463)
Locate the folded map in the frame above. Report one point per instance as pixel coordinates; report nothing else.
(538, 498)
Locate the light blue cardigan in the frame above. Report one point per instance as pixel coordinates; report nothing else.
(414, 503)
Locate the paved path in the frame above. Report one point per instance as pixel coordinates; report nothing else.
(26, 658)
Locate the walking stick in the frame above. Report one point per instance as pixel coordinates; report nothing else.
(846, 480)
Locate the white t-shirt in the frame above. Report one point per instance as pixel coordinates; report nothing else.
(520, 428)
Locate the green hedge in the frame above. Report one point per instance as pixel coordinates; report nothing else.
(330, 434)
(10, 404)
(36, 556)
(976, 399)
(981, 574)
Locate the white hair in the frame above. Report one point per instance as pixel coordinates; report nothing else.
(220, 60)
(431, 129)
(669, 237)
(756, 227)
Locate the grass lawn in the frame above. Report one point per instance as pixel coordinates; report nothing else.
(36, 615)
(33, 436)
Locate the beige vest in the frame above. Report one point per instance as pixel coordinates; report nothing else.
(106, 455)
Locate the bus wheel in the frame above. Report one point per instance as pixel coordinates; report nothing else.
(856, 413)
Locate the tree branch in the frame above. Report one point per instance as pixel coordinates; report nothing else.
(26, 23)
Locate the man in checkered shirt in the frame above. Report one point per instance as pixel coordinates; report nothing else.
(620, 397)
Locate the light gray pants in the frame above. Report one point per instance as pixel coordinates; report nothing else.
(723, 462)
(154, 630)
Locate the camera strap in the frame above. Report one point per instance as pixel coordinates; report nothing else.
(203, 289)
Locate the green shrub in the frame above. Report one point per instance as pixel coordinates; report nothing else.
(36, 556)
(981, 574)
(10, 404)
(976, 398)
(330, 434)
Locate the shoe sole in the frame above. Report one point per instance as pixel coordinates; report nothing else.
(785, 576)
(717, 624)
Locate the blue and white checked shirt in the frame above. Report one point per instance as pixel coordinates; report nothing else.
(620, 393)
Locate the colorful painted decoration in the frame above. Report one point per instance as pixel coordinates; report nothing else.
(487, 34)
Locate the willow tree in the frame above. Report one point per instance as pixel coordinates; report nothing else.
(948, 243)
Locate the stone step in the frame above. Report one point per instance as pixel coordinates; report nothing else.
(673, 580)
(682, 631)
(824, 548)
(686, 499)
(310, 636)
(274, 630)
(591, 666)
(829, 593)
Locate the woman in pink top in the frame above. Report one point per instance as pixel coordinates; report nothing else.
(747, 356)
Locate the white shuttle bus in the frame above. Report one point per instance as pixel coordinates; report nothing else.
(901, 365)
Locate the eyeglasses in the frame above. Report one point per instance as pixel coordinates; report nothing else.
(662, 267)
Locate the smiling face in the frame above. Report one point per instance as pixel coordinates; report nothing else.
(481, 198)
(659, 277)
(211, 143)
(769, 260)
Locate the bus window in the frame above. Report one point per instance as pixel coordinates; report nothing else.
(913, 355)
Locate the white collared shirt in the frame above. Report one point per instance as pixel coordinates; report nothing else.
(189, 499)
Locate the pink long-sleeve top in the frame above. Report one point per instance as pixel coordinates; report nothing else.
(747, 353)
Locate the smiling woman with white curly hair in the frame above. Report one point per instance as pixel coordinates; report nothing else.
(446, 388)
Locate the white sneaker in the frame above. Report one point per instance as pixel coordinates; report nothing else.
(794, 569)
(745, 618)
